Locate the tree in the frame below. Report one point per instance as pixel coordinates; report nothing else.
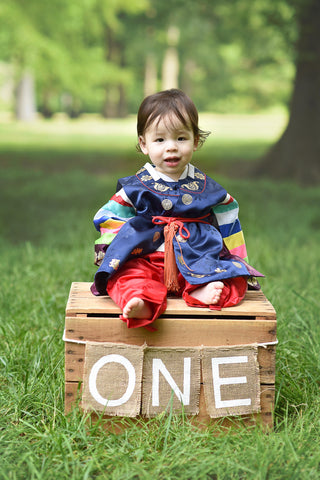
(25, 95)
(65, 47)
(170, 64)
(296, 155)
(113, 25)
(231, 54)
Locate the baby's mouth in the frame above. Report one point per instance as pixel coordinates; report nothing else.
(172, 160)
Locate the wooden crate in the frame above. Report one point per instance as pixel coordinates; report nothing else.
(90, 318)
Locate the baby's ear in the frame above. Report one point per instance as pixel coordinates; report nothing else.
(196, 143)
(142, 144)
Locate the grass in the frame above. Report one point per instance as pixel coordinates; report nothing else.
(53, 178)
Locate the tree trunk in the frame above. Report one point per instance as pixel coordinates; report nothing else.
(115, 104)
(122, 104)
(170, 66)
(150, 75)
(45, 108)
(296, 156)
(25, 99)
(187, 81)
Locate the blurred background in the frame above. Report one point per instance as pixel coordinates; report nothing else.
(101, 57)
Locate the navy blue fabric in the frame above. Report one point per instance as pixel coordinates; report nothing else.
(198, 258)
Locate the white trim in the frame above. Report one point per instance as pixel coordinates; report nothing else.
(187, 172)
(70, 340)
(266, 344)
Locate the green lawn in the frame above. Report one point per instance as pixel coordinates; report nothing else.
(53, 177)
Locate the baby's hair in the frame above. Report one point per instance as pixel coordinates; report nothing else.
(172, 102)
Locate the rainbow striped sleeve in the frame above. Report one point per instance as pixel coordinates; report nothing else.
(227, 217)
(109, 219)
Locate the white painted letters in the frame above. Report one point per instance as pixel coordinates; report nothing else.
(157, 367)
(93, 380)
(218, 382)
(128, 380)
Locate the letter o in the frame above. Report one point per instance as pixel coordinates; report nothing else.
(93, 380)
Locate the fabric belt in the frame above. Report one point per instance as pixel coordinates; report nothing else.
(172, 225)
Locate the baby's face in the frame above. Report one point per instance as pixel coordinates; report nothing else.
(170, 145)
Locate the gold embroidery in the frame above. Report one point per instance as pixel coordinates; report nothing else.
(156, 237)
(160, 188)
(237, 264)
(181, 239)
(197, 276)
(180, 260)
(98, 257)
(145, 178)
(191, 186)
(253, 282)
(136, 251)
(220, 270)
(114, 263)
(141, 170)
(199, 175)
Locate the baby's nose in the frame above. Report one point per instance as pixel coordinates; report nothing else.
(171, 145)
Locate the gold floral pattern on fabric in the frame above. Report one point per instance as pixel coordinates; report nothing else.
(156, 236)
(98, 257)
(146, 178)
(141, 170)
(160, 187)
(237, 264)
(180, 260)
(180, 239)
(220, 270)
(199, 175)
(196, 275)
(191, 186)
(114, 263)
(136, 251)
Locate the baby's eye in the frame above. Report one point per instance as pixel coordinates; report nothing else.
(159, 139)
(181, 139)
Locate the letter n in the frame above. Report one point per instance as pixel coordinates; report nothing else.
(171, 377)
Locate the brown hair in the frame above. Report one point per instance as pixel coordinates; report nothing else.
(174, 102)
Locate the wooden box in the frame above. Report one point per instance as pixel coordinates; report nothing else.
(96, 319)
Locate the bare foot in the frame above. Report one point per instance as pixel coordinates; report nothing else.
(209, 294)
(137, 308)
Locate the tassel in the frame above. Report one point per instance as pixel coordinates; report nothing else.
(170, 266)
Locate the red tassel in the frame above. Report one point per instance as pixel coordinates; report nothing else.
(170, 266)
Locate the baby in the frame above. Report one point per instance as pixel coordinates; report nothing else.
(170, 228)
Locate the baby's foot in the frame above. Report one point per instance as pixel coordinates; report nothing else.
(209, 294)
(137, 308)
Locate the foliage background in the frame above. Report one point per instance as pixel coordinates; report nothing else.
(94, 55)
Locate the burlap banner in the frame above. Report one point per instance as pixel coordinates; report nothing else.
(171, 380)
(231, 380)
(112, 379)
(114, 384)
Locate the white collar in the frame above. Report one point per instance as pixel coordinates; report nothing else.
(187, 172)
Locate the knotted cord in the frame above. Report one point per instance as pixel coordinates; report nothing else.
(172, 225)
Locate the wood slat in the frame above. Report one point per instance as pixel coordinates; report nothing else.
(81, 300)
(173, 331)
